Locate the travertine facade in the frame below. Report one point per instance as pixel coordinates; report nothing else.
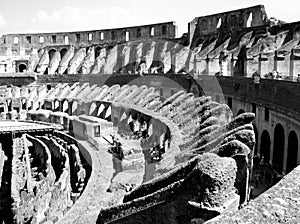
(205, 163)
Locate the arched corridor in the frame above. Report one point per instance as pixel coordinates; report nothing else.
(265, 146)
(278, 150)
(292, 151)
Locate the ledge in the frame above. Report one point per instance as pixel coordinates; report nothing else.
(279, 204)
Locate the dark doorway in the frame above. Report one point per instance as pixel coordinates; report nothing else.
(63, 52)
(278, 149)
(265, 146)
(292, 155)
(51, 54)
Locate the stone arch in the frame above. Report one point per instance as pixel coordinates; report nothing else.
(292, 154)
(63, 52)
(22, 67)
(278, 149)
(241, 111)
(265, 144)
(51, 53)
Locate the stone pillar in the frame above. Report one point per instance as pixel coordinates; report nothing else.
(294, 64)
(201, 66)
(271, 146)
(265, 64)
(282, 63)
(207, 65)
(70, 107)
(233, 61)
(285, 153)
(173, 60)
(61, 105)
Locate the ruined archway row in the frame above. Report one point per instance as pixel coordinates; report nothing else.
(284, 155)
(197, 125)
(277, 136)
(225, 55)
(49, 173)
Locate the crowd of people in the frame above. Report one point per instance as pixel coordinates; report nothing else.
(275, 75)
(156, 152)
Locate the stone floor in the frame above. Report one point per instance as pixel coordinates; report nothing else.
(260, 183)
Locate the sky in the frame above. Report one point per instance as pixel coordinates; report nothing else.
(33, 16)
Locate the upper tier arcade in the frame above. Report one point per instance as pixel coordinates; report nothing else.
(165, 30)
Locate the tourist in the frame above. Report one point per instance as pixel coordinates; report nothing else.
(267, 178)
(256, 179)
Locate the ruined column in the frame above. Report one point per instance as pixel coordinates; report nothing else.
(285, 153)
(294, 63)
(265, 64)
(282, 63)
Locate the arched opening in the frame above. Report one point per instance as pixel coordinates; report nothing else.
(265, 146)
(63, 52)
(93, 107)
(278, 150)
(74, 107)
(249, 20)
(100, 110)
(22, 67)
(108, 114)
(65, 106)
(241, 111)
(51, 54)
(56, 105)
(97, 52)
(256, 139)
(219, 23)
(292, 151)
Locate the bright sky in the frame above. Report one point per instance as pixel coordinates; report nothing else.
(23, 16)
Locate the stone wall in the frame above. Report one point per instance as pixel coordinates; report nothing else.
(47, 178)
(279, 204)
(161, 30)
(172, 199)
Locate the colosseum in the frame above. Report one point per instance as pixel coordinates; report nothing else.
(135, 125)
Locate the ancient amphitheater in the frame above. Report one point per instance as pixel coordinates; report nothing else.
(133, 125)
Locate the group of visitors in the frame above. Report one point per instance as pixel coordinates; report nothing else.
(263, 176)
(156, 152)
(140, 130)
